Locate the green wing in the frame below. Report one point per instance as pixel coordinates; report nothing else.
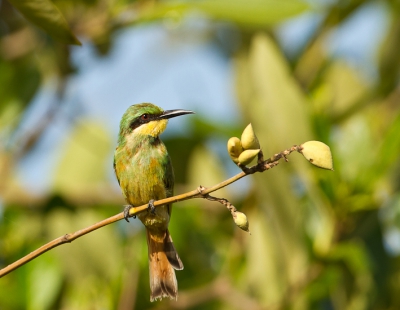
(115, 171)
(169, 179)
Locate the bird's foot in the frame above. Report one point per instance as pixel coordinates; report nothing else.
(126, 213)
(151, 207)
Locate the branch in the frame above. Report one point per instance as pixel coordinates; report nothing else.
(202, 192)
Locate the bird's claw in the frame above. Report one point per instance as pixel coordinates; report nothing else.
(151, 207)
(126, 213)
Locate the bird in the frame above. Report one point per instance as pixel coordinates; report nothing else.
(144, 172)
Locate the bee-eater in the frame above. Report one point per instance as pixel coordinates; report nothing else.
(144, 172)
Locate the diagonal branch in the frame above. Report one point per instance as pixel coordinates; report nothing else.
(202, 192)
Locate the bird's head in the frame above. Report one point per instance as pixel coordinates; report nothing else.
(146, 119)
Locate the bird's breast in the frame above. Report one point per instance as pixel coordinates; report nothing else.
(141, 174)
(143, 180)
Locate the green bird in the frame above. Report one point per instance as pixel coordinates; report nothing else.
(144, 172)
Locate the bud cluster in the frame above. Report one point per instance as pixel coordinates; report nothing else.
(244, 150)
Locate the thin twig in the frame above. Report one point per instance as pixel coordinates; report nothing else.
(201, 192)
(222, 201)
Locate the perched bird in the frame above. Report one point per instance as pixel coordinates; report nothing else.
(144, 172)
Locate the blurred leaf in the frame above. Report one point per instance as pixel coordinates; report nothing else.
(311, 63)
(44, 282)
(88, 262)
(8, 118)
(19, 80)
(355, 257)
(346, 87)
(389, 62)
(46, 15)
(85, 159)
(319, 289)
(266, 272)
(204, 167)
(355, 161)
(353, 254)
(180, 155)
(270, 97)
(201, 239)
(28, 234)
(251, 13)
(389, 149)
(204, 128)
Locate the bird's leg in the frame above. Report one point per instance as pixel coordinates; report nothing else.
(126, 212)
(151, 207)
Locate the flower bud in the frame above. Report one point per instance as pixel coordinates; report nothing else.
(240, 220)
(317, 153)
(246, 157)
(234, 148)
(249, 139)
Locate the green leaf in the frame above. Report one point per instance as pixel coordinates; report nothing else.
(85, 159)
(264, 257)
(44, 14)
(97, 255)
(252, 13)
(44, 282)
(389, 148)
(353, 254)
(270, 96)
(205, 166)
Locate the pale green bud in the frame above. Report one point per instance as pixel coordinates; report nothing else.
(249, 139)
(317, 153)
(234, 147)
(240, 220)
(246, 157)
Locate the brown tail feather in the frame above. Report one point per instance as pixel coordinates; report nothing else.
(171, 253)
(163, 259)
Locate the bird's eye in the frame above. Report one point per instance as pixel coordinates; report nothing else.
(144, 117)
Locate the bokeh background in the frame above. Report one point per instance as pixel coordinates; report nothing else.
(297, 70)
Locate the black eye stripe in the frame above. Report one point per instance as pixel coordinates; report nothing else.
(145, 118)
(142, 120)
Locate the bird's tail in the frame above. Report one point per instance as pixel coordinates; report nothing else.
(163, 259)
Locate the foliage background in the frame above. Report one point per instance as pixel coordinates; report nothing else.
(297, 71)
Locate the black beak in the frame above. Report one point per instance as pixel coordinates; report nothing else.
(172, 113)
